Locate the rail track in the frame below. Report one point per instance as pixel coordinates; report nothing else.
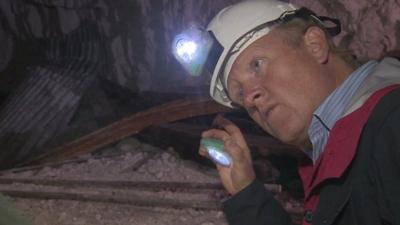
(143, 177)
(204, 196)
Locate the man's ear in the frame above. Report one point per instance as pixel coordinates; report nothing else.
(316, 43)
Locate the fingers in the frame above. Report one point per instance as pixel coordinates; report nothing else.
(216, 133)
(237, 153)
(222, 124)
(228, 130)
(241, 172)
(232, 130)
(226, 178)
(203, 151)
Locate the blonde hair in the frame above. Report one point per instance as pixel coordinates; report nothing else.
(295, 29)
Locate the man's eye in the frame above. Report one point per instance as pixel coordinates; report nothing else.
(256, 64)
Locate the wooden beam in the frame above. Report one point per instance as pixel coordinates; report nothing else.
(175, 132)
(176, 110)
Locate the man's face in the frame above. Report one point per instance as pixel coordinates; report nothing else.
(280, 86)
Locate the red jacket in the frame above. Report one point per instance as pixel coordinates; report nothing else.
(355, 181)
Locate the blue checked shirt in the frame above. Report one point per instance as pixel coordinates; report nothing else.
(332, 109)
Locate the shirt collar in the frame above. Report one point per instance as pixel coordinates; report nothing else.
(333, 107)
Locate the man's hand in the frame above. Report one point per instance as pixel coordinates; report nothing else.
(240, 173)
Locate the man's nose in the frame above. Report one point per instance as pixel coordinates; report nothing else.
(252, 96)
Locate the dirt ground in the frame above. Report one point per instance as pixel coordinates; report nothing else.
(129, 160)
(65, 212)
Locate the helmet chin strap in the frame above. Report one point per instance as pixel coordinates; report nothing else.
(306, 14)
(214, 54)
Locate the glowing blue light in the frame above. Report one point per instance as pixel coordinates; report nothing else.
(186, 49)
(191, 49)
(220, 157)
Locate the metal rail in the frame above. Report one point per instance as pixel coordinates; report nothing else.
(116, 191)
(118, 184)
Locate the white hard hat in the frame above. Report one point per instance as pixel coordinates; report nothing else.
(235, 28)
(230, 32)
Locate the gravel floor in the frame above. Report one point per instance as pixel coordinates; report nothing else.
(129, 160)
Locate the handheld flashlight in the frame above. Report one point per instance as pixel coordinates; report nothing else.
(215, 149)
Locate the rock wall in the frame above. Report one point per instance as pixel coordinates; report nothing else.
(137, 33)
(58, 49)
(371, 29)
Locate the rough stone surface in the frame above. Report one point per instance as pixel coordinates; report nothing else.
(137, 33)
(370, 28)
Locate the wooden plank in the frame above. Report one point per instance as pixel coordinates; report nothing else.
(265, 144)
(128, 126)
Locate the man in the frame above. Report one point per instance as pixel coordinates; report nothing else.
(279, 63)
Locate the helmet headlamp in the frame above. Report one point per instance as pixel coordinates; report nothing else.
(229, 33)
(195, 48)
